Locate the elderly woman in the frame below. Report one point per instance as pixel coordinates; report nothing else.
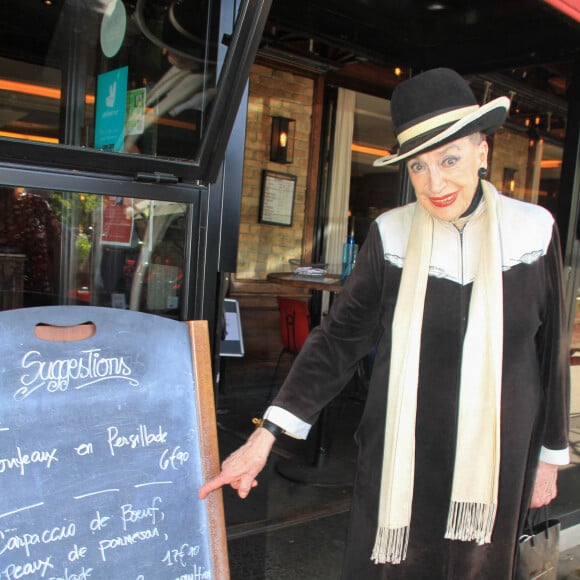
(466, 417)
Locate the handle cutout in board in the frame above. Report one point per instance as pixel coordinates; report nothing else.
(74, 333)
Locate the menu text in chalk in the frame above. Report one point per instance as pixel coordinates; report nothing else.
(101, 452)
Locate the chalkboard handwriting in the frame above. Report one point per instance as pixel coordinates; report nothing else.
(89, 368)
(174, 460)
(97, 460)
(16, 571)
(198, 574)
(22, 459)
(84, 574)
(140, 438)
(153, 483)
(99, 522)
(131, 515)
(10, 541)
(126, 540)
(180, 555)
(22, 509)
(96, 493)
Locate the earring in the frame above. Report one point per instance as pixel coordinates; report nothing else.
(482, 172)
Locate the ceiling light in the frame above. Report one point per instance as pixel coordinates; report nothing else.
(436, 6)
(375, 151)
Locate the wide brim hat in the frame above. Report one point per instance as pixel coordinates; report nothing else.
(436, 107)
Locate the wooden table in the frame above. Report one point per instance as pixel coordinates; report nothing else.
(327, 282)
(323, 470)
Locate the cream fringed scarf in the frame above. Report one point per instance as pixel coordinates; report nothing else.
(473, 499)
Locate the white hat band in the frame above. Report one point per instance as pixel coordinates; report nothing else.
(434, 123)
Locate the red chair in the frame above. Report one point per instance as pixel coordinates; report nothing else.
(294, 327)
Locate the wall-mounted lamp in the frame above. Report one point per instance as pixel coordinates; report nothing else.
(282, 140)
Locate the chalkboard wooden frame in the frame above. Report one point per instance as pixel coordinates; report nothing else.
(166, 392)
(201, 357)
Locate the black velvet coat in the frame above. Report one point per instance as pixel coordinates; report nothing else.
(534, 389)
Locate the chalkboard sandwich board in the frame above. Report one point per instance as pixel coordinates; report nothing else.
(107, 431)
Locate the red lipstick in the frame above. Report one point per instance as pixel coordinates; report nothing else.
(444, 200)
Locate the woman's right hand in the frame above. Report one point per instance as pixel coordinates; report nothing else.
(241, 468)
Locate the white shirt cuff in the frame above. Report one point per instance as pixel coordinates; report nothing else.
(555, 456)
(289, 423)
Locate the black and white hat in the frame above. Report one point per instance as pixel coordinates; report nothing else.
(435, 107)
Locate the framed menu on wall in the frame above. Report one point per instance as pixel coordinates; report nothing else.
(277, 198)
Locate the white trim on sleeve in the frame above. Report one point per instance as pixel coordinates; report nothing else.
(555, 456)
(289, 423)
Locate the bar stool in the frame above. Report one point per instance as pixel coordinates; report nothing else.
(294, 328)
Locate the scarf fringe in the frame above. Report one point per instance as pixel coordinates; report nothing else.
(469, 521)
(390, 545)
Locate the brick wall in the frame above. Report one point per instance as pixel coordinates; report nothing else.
(266, 248)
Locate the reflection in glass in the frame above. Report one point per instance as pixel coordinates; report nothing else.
(138, 254)
(133, 76)
(30, 236)
(75, 248)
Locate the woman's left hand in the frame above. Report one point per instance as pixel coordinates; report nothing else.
(545, 487)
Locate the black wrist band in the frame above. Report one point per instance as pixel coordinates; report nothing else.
(269, 426)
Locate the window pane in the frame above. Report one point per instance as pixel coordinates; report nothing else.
(132, 76)
(75, 248)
